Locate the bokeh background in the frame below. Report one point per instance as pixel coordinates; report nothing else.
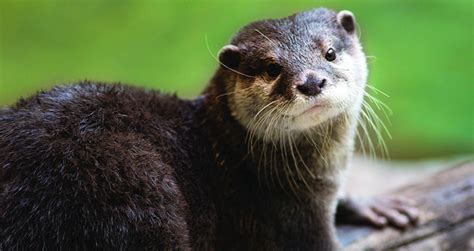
(421, 54)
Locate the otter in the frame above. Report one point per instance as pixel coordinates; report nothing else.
(256, 162)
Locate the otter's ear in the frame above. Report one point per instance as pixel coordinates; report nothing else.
(347, 20)
(229, 56)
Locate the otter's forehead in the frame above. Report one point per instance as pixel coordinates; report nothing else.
(299, 35)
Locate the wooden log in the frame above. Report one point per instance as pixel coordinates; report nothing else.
(446, 200)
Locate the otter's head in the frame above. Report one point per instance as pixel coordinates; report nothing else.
(295, 73)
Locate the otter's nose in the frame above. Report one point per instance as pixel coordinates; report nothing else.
(312, 86)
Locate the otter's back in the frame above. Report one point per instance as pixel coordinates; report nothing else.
(93, 166)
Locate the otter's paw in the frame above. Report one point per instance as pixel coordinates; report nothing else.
(378, 211)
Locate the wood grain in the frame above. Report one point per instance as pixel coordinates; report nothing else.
(446, 200)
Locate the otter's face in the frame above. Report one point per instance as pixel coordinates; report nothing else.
(295, 73)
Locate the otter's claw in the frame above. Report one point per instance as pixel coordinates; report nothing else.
(379, 212)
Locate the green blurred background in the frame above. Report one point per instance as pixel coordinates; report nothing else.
(422, 54)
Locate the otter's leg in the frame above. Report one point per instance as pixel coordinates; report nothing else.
(377, 211)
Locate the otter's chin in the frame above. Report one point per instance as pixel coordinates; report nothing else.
(314, 116)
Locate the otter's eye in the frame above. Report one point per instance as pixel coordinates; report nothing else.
(330, 55)
(273, 70)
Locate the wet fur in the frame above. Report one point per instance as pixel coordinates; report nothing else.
(95, 166)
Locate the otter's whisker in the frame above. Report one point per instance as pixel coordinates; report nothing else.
(286, 168)
(295, 149)
(304, 164)
(375, 126)
(227, 67)
(265, 36)
(380, 105)
(377, 90)
(367, 137)
(377, 119)
(271, 123)
(253, 124)
(232, 92)
(267, 120)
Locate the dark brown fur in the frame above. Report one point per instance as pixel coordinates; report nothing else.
(110, 166)
(96, 166)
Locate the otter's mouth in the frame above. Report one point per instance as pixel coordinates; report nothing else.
(315, 107)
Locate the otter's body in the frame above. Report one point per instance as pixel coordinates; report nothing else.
(110, 166)
(95, 166)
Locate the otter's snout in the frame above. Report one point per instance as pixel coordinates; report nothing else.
(312, 86)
